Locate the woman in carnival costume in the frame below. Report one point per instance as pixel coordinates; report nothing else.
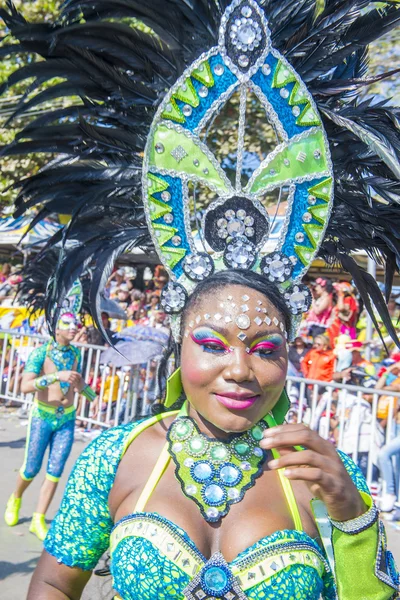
(218, 498)
(53, 373)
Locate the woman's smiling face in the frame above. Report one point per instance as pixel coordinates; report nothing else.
(234, 357)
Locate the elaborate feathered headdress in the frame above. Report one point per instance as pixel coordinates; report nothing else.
(135, 153)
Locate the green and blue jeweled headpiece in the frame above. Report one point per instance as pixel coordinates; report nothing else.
(235, 227)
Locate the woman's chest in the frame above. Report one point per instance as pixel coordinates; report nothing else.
(152, 558)
(262, 511)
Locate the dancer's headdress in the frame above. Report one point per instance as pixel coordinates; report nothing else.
(134, 155)
(37, 284)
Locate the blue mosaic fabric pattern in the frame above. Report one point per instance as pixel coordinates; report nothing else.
(149, 574)
(35, 361)
(354, 472)
(52, 429)
(63, 357)
(141, 571)
(80, 534)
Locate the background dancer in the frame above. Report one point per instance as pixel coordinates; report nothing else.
(52, 372)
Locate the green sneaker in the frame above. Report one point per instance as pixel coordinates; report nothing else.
(11, 515)
(38, 526)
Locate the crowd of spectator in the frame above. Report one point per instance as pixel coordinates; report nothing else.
(9, 280)
(331, 348)
(141, 306)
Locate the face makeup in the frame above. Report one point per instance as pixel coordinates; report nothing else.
(267, 344)
(211, 340)
(236, 401)
(67, 322)
(233, 382)
(242, 314)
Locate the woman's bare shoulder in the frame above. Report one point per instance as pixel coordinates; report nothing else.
(140, 456)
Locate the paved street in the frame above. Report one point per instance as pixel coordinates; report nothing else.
(20, 550)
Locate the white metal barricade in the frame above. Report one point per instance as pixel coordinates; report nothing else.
(346, 414)
(122, 392)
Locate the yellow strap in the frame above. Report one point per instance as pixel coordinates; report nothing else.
(158, 470)
(143, 426)
(156, 474)
(286, 485)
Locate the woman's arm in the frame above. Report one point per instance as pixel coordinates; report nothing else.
(54, 581)
(363, 567)
(80, 533)
(323, 303)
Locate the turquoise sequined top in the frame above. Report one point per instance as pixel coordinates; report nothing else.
(63, 357)
(154, 559)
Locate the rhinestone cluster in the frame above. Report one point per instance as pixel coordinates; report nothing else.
(178, 153)
(234, 224)
(298, 298)
(198, 266)
(214, 581)
(240, 254)
(173, 298)
(245, 33)
(277, 266)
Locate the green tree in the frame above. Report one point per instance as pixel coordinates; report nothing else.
(15, 168)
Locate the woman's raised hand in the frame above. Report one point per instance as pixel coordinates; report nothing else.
(318, 464)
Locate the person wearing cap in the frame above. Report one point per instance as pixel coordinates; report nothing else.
(115, 281)
(123, 296)
(357, 361)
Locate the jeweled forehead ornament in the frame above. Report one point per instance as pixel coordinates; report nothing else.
(239, 314)
(235, 227)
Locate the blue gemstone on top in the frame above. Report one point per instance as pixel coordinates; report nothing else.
(230, 475)
(215, 580)
(213, 494)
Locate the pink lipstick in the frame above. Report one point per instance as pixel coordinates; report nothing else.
(236, 401)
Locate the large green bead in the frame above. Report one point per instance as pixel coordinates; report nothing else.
(257, 433)
(183, 429)
(197, 446)
(219, 453)
(242, 448)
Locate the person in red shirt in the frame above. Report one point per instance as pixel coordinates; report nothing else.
(319, 362)
(344, 314)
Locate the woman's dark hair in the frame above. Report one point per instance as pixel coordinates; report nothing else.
(249, 279)
(325, 283)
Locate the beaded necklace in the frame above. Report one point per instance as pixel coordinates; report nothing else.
(64, 358)
(215, 474)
